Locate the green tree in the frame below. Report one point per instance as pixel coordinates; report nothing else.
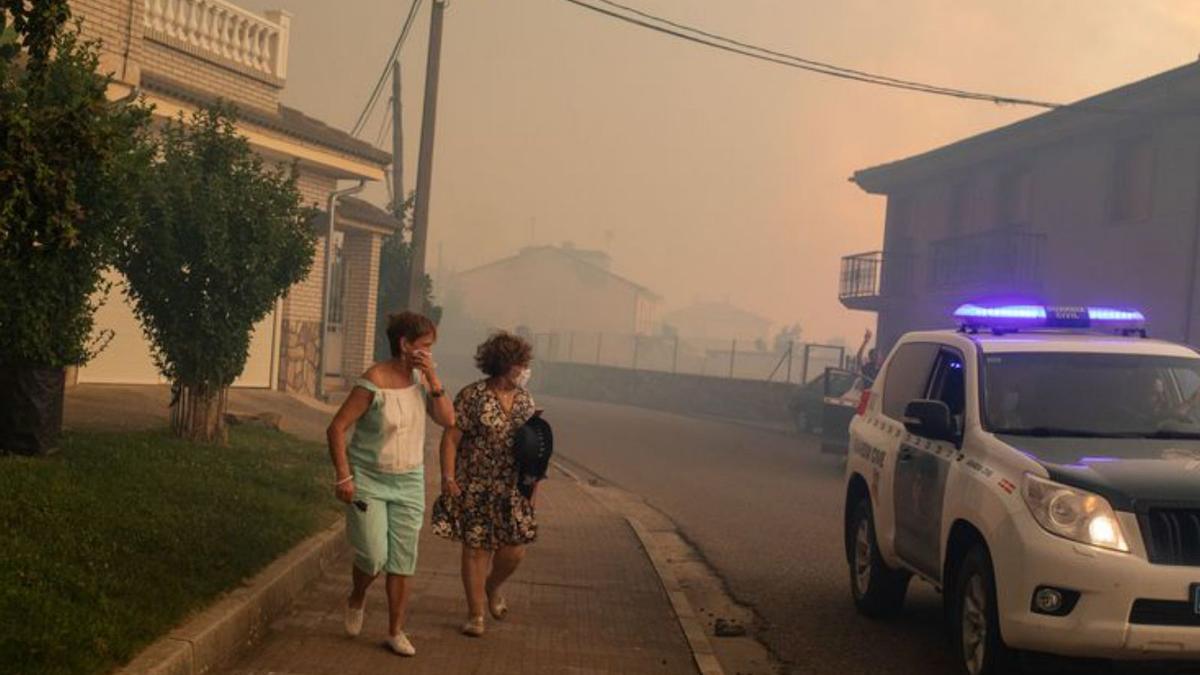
(395, 261)
(224, 237)
(71, 162)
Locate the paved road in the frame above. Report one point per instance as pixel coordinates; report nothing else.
(765, 510)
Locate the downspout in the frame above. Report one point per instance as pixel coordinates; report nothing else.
(327, 287)
(128, 43)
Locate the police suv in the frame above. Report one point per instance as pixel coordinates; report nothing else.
(1040, 466)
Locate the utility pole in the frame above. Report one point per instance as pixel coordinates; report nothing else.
(425, 161)
(397, 144)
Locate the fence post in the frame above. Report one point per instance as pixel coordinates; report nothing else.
(804, 366)
(675, 357)
(599, 345)
(791, 348)
(732, 356)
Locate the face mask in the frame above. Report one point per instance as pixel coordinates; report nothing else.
(523, 378)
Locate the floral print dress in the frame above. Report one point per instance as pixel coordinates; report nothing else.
(490, 512)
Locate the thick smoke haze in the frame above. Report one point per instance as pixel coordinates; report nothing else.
(706, 175)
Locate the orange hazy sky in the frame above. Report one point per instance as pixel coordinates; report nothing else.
(708, 176)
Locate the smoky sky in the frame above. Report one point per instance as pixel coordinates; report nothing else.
(707, 176)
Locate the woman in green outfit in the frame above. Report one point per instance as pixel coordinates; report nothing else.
(380, 475)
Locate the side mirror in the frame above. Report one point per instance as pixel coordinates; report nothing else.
(930, 419)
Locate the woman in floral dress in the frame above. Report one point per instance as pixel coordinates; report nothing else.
(480, 505)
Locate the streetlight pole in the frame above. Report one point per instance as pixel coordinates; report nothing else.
(416, 281)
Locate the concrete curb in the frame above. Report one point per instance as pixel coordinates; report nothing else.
(701, 647)
(226, 629)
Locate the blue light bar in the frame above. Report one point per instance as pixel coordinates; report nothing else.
(1109, 314)
(1027, 312)
(1016, 317)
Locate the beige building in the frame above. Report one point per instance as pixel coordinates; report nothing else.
(555, 289)
(181, 54)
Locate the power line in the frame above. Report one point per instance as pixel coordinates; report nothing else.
(705, 38)
(369, 108)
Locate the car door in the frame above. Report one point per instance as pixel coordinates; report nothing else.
(922, 468)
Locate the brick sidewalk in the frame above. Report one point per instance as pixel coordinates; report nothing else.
(586, 600)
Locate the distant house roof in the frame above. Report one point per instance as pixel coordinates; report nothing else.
(716, 311)
(587, 259)
(285, 120)
(1172, 92)
(352, 208)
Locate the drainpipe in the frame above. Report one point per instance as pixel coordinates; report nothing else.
(327, 287)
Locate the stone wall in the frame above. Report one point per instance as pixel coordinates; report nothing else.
(298, 356)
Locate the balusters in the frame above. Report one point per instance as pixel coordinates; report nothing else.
(222, 29)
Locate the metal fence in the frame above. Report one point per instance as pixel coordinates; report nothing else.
(795, 362)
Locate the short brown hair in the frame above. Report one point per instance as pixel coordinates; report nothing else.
(500, 352)
(410, 326)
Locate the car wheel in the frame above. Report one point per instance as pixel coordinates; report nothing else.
(878, 589)
(975, 630)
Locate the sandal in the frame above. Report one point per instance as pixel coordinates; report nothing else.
(473, 627)
(498, 607)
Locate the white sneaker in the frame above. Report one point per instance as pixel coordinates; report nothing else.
(354, 619)
(399, 643)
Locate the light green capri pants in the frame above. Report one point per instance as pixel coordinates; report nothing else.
(384, 536)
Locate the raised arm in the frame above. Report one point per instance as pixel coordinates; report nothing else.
(439, 406)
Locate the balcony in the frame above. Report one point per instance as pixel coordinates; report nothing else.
(867, 279)
(1003, 261)
(223, 33)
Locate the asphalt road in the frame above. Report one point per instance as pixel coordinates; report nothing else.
(765, 510)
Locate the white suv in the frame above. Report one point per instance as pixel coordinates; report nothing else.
(1046, 479)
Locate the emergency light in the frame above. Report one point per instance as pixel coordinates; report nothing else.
(1008, 318)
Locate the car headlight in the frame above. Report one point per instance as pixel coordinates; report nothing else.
(1074, 514)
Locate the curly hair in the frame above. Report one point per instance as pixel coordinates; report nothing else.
(410, 326)
(500, 352)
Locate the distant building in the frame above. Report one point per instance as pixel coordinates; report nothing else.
(555, 289)
(1094, 203)
(718, 324)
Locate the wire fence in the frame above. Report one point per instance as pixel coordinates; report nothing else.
(794, 362)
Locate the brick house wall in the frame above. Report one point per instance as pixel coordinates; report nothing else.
(361, 252)
(132, 47)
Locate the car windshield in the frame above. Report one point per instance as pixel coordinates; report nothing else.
(1101, 395)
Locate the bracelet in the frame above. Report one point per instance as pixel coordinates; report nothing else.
(343, 481)
(437, 393)
(448, 479)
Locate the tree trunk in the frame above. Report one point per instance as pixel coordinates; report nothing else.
(198, 414)
(31, 409)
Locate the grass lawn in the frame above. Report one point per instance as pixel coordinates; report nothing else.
(110, 543)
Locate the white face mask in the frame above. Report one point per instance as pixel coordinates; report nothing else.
(522, 380)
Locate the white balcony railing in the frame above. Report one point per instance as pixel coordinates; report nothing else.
(222, 31)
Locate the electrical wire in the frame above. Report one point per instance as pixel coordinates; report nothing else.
(369, 108)
(705, 38)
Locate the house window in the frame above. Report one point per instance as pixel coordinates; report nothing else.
(1016, 203)
(1133, 170)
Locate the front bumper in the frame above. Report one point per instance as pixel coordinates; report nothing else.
(1109, 584)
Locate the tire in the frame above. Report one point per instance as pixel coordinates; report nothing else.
(975, 621)
(878, 590)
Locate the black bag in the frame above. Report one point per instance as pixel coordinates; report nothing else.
(533, 445)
